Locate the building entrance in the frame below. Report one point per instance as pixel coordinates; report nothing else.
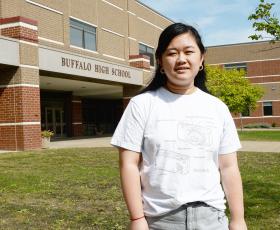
(55, 121)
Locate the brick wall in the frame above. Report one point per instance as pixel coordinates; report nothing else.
(20, 117)
(139, 61)
(263, 68)
(276, 108)
(21, 32)
(268, 120)
(256, 116)
(17, 105)
(258, 112)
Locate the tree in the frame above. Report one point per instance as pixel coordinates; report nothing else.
(263, 21)
(233, 89)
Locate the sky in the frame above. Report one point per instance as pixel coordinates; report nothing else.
(219, 22)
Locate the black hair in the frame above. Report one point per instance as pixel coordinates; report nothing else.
(165, 38)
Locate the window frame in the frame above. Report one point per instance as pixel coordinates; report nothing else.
(267, 109)
(237, 66)
(85, 28)
(152, 60)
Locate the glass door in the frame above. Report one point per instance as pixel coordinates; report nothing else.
(55, 121)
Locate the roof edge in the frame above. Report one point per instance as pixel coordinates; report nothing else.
(150, 8)
(243, 43)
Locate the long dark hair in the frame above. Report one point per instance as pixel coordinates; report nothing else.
(165, 38)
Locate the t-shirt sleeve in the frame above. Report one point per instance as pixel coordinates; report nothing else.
(130, 130)
(229, 140)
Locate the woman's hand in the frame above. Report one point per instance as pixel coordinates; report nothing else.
(238, 225)
(140, 224)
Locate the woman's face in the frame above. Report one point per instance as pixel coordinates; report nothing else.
(181, 61)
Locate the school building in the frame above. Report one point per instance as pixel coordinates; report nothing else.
(71, 67)
(261, 62)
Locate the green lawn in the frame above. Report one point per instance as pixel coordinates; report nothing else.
(261, 135)
(79, 189)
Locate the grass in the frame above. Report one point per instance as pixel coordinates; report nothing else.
(262, 135)
(80, 189)
(261, 182)
(61, 189)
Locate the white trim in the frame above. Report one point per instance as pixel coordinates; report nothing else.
(77, 123)
(117, 58)
(266, 83)
(142, 19)
(22, 24)
(20, 123)
(262, 60)
(134, 39)
(147, 45)
(139, 59)
(80, 48)
(275, 75)
(131, 13)
(19, 85)
(148, 71)
(28, 43)
(44, 7)
(111, 4)
(142, 4)
(29, 66)
(112, 32)
(50, 40)
(267, 101)
(91, 24)
(75, 101)
(257, 117)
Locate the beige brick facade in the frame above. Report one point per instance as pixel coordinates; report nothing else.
(66, 99)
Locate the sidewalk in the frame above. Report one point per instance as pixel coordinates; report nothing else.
(250, 146)
(260, 146)
(82, 143)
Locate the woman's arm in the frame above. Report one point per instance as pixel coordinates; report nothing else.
(131, 186)
(232, 184)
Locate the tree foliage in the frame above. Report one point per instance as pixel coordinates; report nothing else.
(263, 21)
(233, 88)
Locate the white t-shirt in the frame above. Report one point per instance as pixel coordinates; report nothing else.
(180, 138)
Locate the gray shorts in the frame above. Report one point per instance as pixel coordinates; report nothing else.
(192, 216)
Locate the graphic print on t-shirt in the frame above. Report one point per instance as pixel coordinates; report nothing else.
(187, 147)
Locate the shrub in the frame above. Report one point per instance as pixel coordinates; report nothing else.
(47, 133)
(257, 126)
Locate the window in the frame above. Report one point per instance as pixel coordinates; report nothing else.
(146, 50)
(238, 66)
(82, 35)
(267, 108)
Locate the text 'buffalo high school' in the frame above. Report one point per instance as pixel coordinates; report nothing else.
(71, 66)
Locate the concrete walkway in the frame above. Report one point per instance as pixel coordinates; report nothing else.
(254, 146)
(82, 143)
(261, 146)
(250, 146)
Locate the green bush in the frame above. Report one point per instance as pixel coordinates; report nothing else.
(257, 126)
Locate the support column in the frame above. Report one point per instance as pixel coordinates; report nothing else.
(20, 119)
(77, 118)
(140, 61)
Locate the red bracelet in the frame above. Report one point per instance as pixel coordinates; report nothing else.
(133, 219)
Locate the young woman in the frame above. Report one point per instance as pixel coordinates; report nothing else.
(177, 142)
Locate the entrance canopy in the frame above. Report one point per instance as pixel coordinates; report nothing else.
(9, 51)
(82, 88)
